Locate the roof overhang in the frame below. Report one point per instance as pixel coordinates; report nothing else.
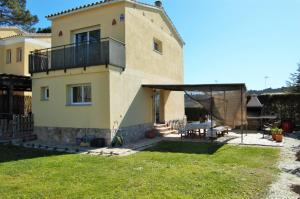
(198, 87)
(110, 2)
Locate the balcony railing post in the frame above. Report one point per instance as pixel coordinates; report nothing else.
(64, 59)
(47, 64)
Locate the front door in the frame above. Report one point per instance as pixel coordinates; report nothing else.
(158, 107)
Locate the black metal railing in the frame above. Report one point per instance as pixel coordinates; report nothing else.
(107, 51)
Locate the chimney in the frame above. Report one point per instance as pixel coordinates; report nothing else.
(158, 4)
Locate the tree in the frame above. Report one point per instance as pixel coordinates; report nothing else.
(44, 30)
(14, 13)
(294, 84)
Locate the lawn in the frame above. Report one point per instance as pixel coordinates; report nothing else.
(168, 170)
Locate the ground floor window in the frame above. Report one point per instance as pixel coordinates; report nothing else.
(45, 93)
(80, 94)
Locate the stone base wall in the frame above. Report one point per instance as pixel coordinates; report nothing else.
(67, 136)
(134, 133)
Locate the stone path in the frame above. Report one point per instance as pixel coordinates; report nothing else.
(105, 151)
(290, 170)
(231, 138)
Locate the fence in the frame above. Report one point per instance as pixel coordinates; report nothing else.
(21, 105)
(17, 126)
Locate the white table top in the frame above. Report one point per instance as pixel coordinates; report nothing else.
(198, 125)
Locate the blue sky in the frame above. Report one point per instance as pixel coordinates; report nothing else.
(226, 40)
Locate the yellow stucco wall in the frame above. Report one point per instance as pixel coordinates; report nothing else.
(117, 96)
(142, 27)
(93, 18)
(14, 67)
(57, 113)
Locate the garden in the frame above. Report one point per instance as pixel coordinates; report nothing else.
(167, 170)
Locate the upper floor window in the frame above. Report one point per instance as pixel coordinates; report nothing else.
(19, 54)
(8, 56)
(80, 94)
(89, 36)
(157, 46)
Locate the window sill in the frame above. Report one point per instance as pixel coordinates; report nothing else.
(80, 104)
(157, 51)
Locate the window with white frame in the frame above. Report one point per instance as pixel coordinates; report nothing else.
(80, 94)
(45, 93)
(8, 56)
(19, 54)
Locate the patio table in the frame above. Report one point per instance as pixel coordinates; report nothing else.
(191, 128)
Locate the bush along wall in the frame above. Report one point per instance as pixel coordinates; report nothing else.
(285, 106)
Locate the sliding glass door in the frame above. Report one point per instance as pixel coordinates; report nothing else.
(87, 48)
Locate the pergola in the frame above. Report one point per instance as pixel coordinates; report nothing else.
(12, 83)
(226, 102)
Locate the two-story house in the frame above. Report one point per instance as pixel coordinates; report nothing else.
(15, 47)
(90, 81)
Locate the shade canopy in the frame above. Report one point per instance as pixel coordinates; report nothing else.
(198, 87)
(226, 103)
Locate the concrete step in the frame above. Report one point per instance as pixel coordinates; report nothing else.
(160, 125)
(162, 129)
(165, 133)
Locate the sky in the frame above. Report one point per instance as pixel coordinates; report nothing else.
(227, 41)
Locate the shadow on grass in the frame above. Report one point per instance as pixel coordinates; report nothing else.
(10, 153)
(186, 147)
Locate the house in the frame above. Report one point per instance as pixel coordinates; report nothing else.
(15, 83)
(90, 82)
(15, 46)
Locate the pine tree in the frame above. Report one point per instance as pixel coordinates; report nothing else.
(14, 13)
(294, 84)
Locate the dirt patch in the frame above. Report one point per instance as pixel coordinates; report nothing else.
(296, 189)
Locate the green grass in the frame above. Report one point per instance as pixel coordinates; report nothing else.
(168, 170)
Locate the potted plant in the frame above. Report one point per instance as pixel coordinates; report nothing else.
(274, 132)
(279, 135)
(151, 134)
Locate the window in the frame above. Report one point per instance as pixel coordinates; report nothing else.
(19, 54)
(80, 94)
(45, 93)
(157, 46)
(91, 36)
(8, 56)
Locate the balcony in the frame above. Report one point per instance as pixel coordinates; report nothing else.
(107, 51)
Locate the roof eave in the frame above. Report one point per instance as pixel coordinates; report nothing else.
(89, 6)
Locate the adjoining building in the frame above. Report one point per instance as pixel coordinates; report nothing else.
(15, 46)
(90, 81)
(15, 81)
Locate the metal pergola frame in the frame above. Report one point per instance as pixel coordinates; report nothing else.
(11, 83)
(208, 88)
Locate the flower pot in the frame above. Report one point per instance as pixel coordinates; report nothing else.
(151, 134)
(279, 137)
(274, 136)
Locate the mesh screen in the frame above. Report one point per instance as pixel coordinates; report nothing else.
(227, 107)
